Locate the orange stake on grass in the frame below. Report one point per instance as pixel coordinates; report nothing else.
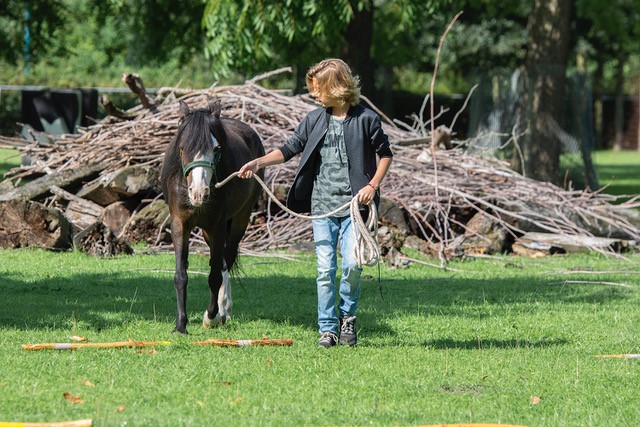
(77, 345)
(244, 343)
(131, 343)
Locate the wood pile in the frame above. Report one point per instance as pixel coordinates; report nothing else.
(98, 190)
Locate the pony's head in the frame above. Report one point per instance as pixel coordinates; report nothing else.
(199, 139)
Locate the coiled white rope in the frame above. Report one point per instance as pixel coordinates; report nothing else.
(366, 250)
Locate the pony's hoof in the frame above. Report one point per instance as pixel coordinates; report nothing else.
(216, 322)
(182, 331)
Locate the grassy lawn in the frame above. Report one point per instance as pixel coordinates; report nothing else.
(494, 341)
(620, 169)
(8, 159)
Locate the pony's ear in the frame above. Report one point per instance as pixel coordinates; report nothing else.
(214, 107)
(183, 110)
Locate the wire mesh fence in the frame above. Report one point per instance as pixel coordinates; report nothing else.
(500, 116)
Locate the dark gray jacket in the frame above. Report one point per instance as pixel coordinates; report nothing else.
(364, 138)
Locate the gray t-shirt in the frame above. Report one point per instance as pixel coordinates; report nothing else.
(331, 188)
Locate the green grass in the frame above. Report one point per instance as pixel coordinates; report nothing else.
(474, 345)
(619, 169)
(8, 159)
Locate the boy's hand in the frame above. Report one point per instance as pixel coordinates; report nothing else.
(248, 169)
(366, 194)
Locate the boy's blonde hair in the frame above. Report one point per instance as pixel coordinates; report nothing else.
(335, 80)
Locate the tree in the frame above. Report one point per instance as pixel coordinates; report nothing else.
(155, 31)
(252, 36)
(35, 20)
(613, 31)
(255, 36)
(546, 63)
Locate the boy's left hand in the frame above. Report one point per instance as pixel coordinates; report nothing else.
(366, 195)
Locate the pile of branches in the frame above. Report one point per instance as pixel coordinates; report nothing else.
(442, 202)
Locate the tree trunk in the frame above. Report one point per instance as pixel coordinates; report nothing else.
(546, 61)
(618, 142)
(598, 85)
(357, 50)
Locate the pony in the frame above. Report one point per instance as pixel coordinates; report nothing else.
(206, 149)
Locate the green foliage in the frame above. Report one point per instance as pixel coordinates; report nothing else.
(42, 18)
(613, 25)
(153, 31)
(90, 43)
(475, 344)
(259, 35)
(99, 40)
(605, 31)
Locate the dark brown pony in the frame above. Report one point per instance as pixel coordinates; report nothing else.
(206, 149)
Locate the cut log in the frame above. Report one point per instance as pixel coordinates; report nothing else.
(41, 186)
(619, 223)
(31, 224)
(116, 216)
(392, 215)
(98, 240)
(148, 224)
(81, 213)
(538, 244)
(389, 238)
(483, 235)
(441, 138)
(120, 185)
(416, 243)
(6, 186)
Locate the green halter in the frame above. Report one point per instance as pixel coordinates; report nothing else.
(205, 163)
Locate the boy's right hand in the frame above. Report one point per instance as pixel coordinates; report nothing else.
(248, 169)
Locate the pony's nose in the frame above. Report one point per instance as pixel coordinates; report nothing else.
(198, 194)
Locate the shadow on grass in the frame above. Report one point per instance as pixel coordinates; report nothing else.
(104, 301)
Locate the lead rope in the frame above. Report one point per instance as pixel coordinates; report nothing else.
(366, 249)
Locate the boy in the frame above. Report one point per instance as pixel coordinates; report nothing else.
(339, 143)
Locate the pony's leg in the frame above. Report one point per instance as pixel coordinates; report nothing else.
(180, 279)
(213, 315)
(236, 229)
(225, 299)
(225, 303)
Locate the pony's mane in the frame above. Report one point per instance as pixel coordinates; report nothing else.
(193, 137)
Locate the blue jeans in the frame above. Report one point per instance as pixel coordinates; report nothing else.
(325, 235)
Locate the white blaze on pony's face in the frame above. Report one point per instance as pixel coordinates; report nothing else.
(202, 170)
(199, 180)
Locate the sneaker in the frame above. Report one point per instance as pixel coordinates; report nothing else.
(348, 334)
(327, 339)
